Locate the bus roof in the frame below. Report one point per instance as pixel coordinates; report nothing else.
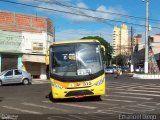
(75, 41)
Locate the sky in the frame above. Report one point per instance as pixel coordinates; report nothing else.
(74, 19)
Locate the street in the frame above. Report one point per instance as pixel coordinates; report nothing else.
(125, 95)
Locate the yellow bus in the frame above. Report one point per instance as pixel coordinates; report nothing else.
(76, 69)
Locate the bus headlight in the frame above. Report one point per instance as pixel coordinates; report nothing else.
(99, 82)
(56, 85)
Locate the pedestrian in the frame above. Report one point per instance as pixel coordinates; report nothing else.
(118, 73)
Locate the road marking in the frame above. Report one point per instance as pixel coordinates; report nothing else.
(138, 94)
(105, 111)
(47, 101)
(42, 106)
(133, 108)
(106, 103)
(21, 110)
(75, 105)
(78, 117)
(119, 100)
(147, 106)
(148, 88)
(144, 86)
(125, 86)
(136, 84)
(143, 98)
(114, 89)
(144, 91)
(54, 117)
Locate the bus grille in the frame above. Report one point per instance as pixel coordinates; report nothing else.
(79, 93)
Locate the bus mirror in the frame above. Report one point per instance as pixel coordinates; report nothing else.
(103, 52)
(47, 57)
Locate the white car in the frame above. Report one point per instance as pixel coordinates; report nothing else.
(109, 70)
(15, 76)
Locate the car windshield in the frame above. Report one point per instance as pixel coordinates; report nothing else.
(76, 59)
(109, 67)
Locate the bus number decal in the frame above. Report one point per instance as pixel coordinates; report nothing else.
(87, 83)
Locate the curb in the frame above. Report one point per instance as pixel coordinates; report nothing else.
(144, 76)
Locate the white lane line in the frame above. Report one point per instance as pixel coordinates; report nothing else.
(46, 101)
(102, 103)
(54, 117)
(109, 110)
(141, 88)
(119, 100)
(144, 91)
(45, 107)
(156, 95)
(89, 107)
(75, 105)
(126, 86)
(21, 110)
(114, 89)
(144, 86)
(143, 98)
(132, 83)
(148, 106)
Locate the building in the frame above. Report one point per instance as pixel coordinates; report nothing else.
(137, 39)
(155, 43)
(23, 42)
(120, 41)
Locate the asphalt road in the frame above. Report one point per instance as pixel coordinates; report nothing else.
(126, 99)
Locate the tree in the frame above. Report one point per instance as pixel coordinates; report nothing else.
(108, 47)
(120, 60)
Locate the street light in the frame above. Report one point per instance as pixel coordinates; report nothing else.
(146, 40)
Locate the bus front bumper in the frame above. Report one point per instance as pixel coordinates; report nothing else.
(77, 93)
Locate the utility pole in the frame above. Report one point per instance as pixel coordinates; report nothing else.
(146, 40)
(54, 34)
(131, 66)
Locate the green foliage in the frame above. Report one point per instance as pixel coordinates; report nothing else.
(120, 60)
(107, 45)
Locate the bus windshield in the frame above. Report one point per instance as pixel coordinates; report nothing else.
(75, 59)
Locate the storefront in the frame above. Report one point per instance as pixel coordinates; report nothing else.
(35, 64)
(10, 61)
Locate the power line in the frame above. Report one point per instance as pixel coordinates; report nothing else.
(100, 11)
(98, 18)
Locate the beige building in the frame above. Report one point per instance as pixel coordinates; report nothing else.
(156, 43)
(120, 41)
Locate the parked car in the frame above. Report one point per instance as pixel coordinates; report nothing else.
(15, 76)
(125, 69)
(110, 69)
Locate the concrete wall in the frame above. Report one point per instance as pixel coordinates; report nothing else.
(10, 41)
(34, 42)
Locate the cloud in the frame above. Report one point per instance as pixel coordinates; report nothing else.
(81, 13)
(70, 34)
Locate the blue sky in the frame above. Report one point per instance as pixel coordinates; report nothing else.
(69, 26)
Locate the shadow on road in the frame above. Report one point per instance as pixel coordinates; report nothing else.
(1, 99)
(84, 99)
